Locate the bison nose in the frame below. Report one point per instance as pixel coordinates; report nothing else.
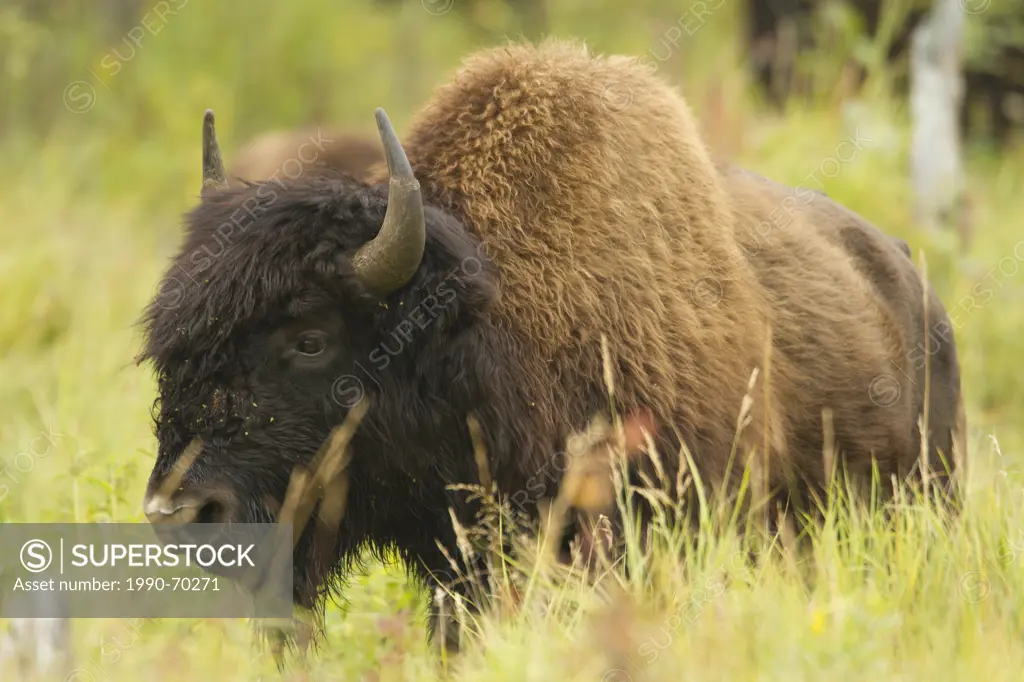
(185, 507)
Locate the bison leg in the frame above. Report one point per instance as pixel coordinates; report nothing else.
(455, 597)
(443, 626)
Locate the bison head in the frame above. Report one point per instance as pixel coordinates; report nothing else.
(289, 303)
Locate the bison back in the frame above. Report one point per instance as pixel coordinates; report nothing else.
(588, 184)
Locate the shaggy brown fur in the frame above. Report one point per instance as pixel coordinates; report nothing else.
(277, 154)
(566, 197)
(587, 180)
(848, 313)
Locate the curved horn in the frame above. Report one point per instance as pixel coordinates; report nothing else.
(213, 167)
(390, 259)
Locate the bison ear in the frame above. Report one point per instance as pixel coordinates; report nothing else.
(214, 177)
(389, 260)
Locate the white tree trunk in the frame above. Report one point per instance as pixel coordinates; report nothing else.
(935, 93)
(39, 647)
(35, 648)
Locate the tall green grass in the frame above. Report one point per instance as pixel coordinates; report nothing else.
(90, 204)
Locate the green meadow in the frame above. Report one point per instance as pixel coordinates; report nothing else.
(99, 156)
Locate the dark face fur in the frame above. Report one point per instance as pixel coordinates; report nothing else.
(263, 339)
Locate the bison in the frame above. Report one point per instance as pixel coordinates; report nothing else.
(277, 154)
(548, 203)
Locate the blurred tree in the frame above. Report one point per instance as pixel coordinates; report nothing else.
(994, 67)
(935, 99)
(865, 36)
(871, 38)
(31, 53)
(113, 17)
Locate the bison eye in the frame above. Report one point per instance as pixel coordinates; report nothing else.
(311, 344)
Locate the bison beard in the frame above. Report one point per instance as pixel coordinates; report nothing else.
(565, 196)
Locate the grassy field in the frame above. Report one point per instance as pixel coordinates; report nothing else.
(90, 214)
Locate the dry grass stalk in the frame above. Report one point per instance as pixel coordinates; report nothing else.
(745, 417)
(788, 536)
(480, 453)
(325, 481)
(441, 633)
(309, 485)
(173, 481)
(960, 453)
(609, 375)
(828, 452)
(923, 422)
(590, 485)
(683, 479)
(461, 538)
(743, 420)
(593, 545)
(766, 448)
